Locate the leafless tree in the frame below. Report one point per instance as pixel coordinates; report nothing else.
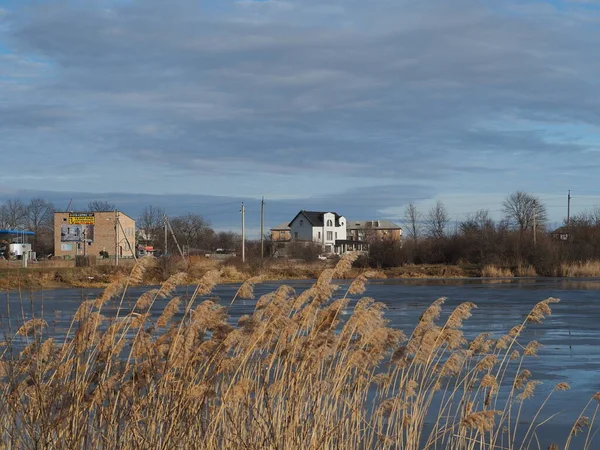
(40, 219)
(436, 220)
(13, 214)
(100, 205)
(520, 209)
(150, 223)
(227, 240)
(590, 218)
(193, 231)
(412, 221)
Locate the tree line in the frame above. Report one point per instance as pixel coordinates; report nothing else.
(429, 236)
(521, 237)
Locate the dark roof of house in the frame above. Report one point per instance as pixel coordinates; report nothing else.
(375, 224)
(315, 218)
(561, 230)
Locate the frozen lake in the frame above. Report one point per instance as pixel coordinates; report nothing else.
(571, 336)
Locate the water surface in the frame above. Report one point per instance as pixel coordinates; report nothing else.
(571, 335)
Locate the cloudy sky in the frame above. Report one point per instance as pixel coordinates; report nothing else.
(354, 106)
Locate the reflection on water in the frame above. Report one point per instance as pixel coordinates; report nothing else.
(571, 336)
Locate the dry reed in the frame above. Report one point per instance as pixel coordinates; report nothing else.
(581, 269)
(491, 271)
(296, 373)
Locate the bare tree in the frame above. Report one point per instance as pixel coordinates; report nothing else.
(150, 223)
(436, 220)
(100, 205)
(227, 240)
(478, 230)
(520, 209)
(40, 219)
(412, 221)
(13, 214)
(193, 231)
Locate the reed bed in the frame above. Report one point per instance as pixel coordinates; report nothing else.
(491, 271)
(525, 270)
(581, 269)
(302, 371)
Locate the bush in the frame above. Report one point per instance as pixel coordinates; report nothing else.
(386, 253)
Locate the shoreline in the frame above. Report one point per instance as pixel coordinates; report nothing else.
(236, 272)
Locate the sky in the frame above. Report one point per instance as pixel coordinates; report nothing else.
(358, 107)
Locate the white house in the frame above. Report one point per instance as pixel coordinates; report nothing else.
(323, 228)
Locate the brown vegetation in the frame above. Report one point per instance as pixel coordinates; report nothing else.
(491, 271)
(292, 374)
(580, 269)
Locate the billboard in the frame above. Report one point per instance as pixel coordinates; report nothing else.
(81, 219)
(79, 227)
(77, 233)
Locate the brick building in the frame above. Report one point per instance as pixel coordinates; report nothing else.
(281, 233)
(89, 233)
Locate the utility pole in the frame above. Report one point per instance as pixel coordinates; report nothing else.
(569, 210)
(262, 228)
(116, 237)
(166, 233)
(243, 233)
(534, 223)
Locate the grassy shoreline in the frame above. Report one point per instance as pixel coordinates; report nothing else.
(269, 270)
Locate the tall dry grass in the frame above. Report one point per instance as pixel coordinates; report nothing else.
(581, 269)
(525, 270)
(491, 271)
(299, 372)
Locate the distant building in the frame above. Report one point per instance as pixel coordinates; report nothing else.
(93, 233)
(281, 232)
(361, 233)
(334, 233)
(365, 230)
(320, 227)
(560, 234)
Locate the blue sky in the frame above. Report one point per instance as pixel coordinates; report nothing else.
(355, 106)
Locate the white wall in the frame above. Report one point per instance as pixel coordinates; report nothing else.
(337, 232)
(317, 235)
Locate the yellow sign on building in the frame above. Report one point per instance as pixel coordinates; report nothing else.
(81, 219)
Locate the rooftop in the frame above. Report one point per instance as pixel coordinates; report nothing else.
(315, 218)
(379, 224)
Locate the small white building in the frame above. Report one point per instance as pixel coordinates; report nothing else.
(323, 228)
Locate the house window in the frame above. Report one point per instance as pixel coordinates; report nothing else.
(319, 235)
(301, 222)
(329, 223)
(295, 235)
(336, 234)
(330, 235)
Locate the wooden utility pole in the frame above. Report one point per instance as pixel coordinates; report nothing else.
(116, 237)
(131, 249)
(569, 210)
(176, 241)
(243, 233)
(534, 223)
(166, 234)
(262, 228)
